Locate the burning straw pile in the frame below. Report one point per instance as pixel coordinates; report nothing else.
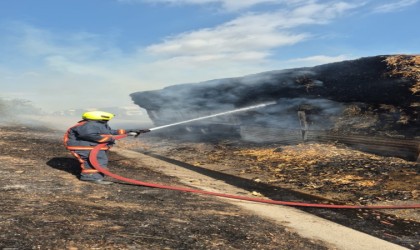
(369, 104)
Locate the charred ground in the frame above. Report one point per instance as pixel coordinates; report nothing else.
(309, 172)
(44, 206)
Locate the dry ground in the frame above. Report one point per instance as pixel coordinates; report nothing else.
(312, 172)
(44, 206)
(332, 171)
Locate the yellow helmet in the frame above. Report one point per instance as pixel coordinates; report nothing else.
(97, 116)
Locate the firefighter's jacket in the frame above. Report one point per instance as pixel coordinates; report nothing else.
(86, 134)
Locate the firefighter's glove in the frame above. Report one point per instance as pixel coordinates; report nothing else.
(111, 141)
(137, 132)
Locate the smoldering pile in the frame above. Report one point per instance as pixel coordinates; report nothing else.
(370, 97)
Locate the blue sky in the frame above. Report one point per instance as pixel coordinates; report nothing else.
(64, 54)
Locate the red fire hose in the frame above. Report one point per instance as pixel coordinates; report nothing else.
(95, 163)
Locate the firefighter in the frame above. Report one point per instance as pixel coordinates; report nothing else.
(81, 138)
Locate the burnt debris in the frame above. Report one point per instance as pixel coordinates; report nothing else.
(371, 97)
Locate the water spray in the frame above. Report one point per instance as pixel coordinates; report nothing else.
(215, 115)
